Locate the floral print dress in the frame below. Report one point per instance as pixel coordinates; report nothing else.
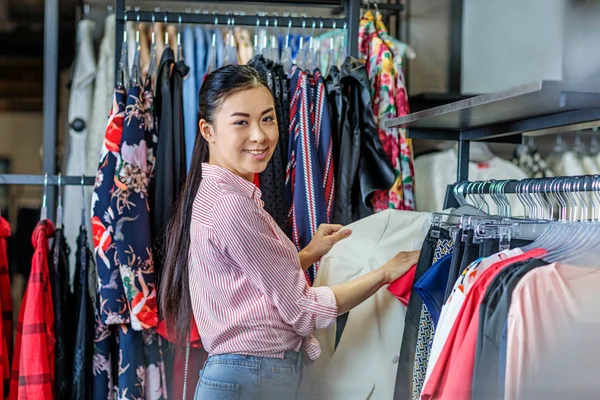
(389, 100)
(128, 353)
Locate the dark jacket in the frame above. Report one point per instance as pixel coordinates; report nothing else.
(361, 164)
(170, 171)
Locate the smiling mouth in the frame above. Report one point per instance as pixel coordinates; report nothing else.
(256, 152)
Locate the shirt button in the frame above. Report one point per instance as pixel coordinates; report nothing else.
(395, 359)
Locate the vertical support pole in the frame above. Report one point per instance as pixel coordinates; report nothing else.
(456, 27)
(119, 30)
(352, 10)
(463, 160)
(50, 95)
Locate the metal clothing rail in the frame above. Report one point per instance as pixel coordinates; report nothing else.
(222, 19)
(529, 186)
(351, 9)
(19, 179)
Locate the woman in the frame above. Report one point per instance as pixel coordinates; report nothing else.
(230, 265)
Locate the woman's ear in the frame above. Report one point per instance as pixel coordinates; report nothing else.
(206, 130)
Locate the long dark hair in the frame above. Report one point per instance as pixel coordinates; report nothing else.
(174, 291)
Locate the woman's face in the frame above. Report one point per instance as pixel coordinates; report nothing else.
(244, 134)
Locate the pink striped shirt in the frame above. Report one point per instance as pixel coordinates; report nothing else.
(249, 293)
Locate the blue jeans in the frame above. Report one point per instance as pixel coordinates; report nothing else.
(240, 377)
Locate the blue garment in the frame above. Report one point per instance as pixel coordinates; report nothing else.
(240, 377)
(190, 96)
(127, 356)
(432, 286)
(294, 42)
(203, 41)
(310, 176)
(220, 49)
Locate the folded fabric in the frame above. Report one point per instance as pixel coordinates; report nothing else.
(432, 286)
(402, 286)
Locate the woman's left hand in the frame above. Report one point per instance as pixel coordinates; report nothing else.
(323, 240)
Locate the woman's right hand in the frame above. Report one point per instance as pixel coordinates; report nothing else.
(399, 265)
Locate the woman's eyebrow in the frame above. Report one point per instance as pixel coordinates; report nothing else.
(241, 114)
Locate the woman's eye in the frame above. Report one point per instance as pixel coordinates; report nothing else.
(268, 119)
(240, 122)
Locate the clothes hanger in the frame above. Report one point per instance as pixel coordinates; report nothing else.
(153, 62)
(167, 45)
(256, 49)
(274, 50)
(83, 213)
(286, 54)
(212, 56)
(265, 50)
(59, 208)
(309, 60)
(331, 61)
(318, 52)
(123, 75)
(343, 51)
(136, 74)
(301, 54)
(44, 210)
(179, 46)
(227, 59)
(232, 47)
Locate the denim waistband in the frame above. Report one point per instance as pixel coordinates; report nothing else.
(292, 356)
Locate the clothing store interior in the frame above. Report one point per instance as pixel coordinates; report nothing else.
(466, 129)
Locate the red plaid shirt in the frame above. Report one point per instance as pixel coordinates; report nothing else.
(33, 363)
(6, 324)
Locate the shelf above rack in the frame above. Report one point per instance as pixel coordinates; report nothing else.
(537, 108)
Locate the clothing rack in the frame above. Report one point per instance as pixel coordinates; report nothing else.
(351, 20)
(19, 179)
(538, 108)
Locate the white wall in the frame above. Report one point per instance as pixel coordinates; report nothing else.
(511, 42)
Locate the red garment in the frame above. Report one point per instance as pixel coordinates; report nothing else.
(6, 322)
(256, 180)
(195, 341)
(33, 364)
(452, 376)
(402, 287)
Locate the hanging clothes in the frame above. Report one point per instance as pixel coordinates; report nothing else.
(382, 75)
(33, 363)
(170, 169)
(130, 205)
(83, 300)
(80, 113)
(112, 302)
(6, 329)
(128, 358)
(190, 94)
(61, 303)
(103, 98)
(364, 364)
(402, 109)
(361, 164)
(531, 162)
(310, 160)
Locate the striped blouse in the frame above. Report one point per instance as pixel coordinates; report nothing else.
(249, 293)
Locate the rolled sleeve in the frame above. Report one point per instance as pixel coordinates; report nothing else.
(261, 251)
(324, 306)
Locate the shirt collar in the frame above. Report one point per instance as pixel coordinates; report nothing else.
(244, 187)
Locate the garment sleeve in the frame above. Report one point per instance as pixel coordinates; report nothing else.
(252, 243)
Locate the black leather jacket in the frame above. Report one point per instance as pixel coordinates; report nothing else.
(362, 166)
